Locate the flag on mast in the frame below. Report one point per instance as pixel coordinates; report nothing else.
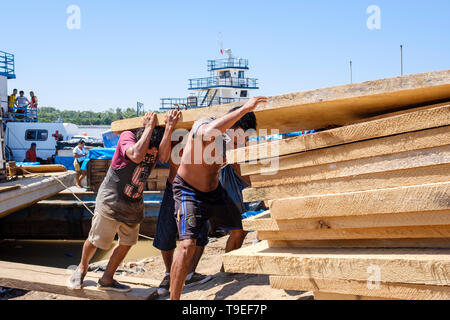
(220, 43)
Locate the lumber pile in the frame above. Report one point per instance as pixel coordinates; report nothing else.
(339, 105)
(361, 211)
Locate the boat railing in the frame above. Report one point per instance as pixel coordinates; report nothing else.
(183, 103)
(21, 115)
(235, 63)
(212, 82)
(7, 68)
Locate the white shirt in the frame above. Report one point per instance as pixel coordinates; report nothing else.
(79, 152)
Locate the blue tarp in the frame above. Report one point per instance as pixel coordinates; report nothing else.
(95, 153)
(20, 164)
(65, 161)
(98, 153)
(275, 137)
(110, 139)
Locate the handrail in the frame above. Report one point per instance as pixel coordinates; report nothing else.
(7, 66)
(210, 82)
(227, 63)
(21, 115)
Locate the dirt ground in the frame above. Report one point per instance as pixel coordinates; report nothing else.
(223, 286)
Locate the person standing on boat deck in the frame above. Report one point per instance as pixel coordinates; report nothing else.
(21, 104)
(197, 192)
(31, 154)
(166, 233)
(33, 106)
(119, 205)
(79, 153)
(12, 103)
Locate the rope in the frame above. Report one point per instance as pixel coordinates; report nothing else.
(73, 193)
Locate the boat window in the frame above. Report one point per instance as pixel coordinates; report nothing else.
(243, 93)
(241, 74)
(36, 135)
(225, 74)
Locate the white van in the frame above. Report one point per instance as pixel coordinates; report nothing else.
(20, 135)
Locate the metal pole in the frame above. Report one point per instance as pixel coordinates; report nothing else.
(401, 60)
(351, 71)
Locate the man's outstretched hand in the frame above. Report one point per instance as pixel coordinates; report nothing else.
(150, 119)
(253, 103)
(172, 117)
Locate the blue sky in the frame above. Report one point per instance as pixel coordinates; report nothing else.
(128, 51)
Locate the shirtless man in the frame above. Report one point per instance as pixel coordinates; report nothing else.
(197, 193)
(167, 231)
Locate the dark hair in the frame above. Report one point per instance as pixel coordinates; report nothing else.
(33, 144)
(247, 122)
(15, 90)
(81, 141)
(21, 91)
(155, 140)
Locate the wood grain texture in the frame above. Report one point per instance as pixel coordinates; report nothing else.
(401, 291)
(358, 150)
(409, 232)
(443, 243)
(372, 181)
(351, 168)
(407, 122)
(339, 105)
(427, 197)
(431, 218)
(398, 265)
(53, 280)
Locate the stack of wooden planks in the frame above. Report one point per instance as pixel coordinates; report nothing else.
(361, 211)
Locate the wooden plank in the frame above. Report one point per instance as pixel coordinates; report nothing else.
(431, 218)
(385, 163)
(427, 231)
(427, 197)
(402, 291)
(34, 190)
(398, 265)
(41, 169)
(408, 122)
(363, 243)
(329, 106)
(53, 280)
(372, 181)
(358, 150)
(9, 188)
(328, 296)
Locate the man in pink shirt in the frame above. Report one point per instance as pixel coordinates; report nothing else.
(119, 205)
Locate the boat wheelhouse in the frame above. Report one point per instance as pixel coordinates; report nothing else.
(227, 83)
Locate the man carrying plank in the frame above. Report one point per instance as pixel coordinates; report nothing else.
(167, 231)
(197, 192)
(120, 205)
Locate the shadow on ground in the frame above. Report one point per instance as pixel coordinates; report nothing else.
(226, 285)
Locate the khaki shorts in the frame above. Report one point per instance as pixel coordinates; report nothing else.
(103, 231)
(76, 166)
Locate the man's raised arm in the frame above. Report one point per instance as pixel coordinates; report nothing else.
(171, 120)
(137, 152)
(219, 126)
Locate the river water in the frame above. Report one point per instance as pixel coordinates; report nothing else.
(63, 253)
